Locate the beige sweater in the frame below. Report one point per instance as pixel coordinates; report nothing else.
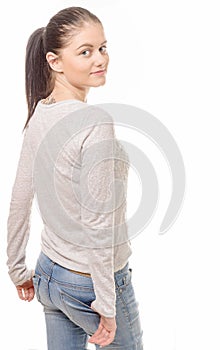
(72, 162)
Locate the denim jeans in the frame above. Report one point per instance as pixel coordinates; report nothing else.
(66, 298)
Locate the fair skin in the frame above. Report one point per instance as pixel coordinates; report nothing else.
(82, 64)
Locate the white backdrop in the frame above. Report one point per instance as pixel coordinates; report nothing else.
(165, 60)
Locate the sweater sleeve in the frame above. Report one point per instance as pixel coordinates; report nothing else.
(97, 211)
(18, 224)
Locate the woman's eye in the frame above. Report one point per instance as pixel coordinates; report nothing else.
(103, 49)
(86, 53)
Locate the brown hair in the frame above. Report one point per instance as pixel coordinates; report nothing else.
(52, 38)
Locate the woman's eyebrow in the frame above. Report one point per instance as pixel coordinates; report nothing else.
(90, 45)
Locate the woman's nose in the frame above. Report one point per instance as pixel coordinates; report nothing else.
(101, 59)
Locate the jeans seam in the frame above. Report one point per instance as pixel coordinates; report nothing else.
(127, 315)
(45, 274)
(72, 286)
(47, 277)
(37, 286)
(125, 310)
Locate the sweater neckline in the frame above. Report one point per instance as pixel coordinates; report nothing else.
(52, 105)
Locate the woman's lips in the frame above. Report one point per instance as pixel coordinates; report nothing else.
(99, 72)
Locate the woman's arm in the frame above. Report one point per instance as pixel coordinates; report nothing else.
(98, 210)
(18, 224)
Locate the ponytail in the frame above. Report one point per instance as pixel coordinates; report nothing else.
(37, 72)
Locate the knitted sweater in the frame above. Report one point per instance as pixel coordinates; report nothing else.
(73, 164)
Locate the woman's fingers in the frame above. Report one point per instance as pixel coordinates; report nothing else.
(20, 293)
(108, 340)
(96, 335)
(26, 291)
(102, 336)
(29, 294)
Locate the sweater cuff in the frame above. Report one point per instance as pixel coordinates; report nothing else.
(104, 310)
(28, 275)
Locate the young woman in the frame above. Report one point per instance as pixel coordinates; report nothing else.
(68, 160)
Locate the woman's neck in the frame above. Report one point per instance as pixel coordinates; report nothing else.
(68, 92)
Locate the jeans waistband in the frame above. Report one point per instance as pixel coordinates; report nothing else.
(47, 265)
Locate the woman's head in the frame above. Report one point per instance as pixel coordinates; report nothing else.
(62, 26)
(70, 49)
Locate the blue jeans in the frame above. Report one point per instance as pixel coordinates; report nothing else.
(66, 298)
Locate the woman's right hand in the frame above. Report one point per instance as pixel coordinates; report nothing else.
(26, 290)
(105, 333)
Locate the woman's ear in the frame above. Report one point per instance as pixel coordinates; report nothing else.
(54, 62)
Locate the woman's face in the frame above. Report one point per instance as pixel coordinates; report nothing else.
(85, 60)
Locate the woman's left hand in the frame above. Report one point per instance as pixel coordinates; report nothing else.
(26, 290)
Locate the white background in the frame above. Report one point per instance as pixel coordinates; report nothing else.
(165, 60)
